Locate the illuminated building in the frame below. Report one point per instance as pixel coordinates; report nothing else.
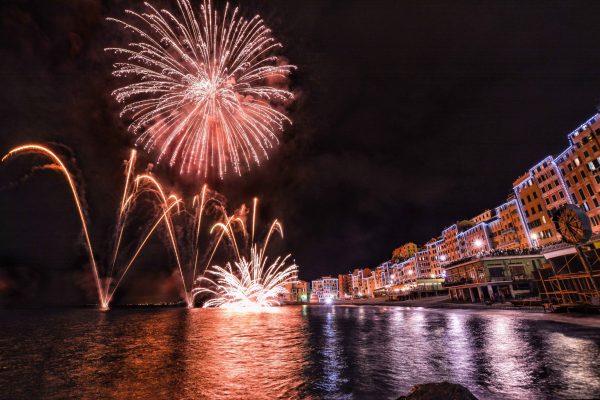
(345, 286)
(482, 217)
(571, 277)
(511, 229)
(405, 251)
(507, 229)
(580, 169)
(296, 291)
(540, 191)
(361, 285)
(493, 277)
(324, 289)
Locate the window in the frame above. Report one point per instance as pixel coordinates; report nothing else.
(526, 214)
(528, 198)
(554, 197)
(535, 195)
(581, 194)
(562, 171)
(583, 174)
(539, 207)
(597, 177)
(590, 190)
(585, 205)
(568, 183)
(547, 201)
(561, 194)
(570, 167)
(576, 161)
(575, 179)
(586, 154)
(596, 204)
(532, 211)
(556, 182)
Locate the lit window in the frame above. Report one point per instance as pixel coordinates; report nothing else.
(576, 161)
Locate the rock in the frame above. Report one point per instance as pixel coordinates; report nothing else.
(439, 391)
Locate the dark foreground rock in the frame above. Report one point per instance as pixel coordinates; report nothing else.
(439, 391)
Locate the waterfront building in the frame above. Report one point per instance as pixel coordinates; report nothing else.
(405, 251)
(580, 169)
(345, 286)
(521, 223)
(571, 277)
(494, 276)
(474, 240)
(507, 229)
(325, 289)
(296, 291)
(485, 216)
(537, 216)
(361, 287)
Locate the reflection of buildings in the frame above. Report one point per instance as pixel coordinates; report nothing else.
(522, 222)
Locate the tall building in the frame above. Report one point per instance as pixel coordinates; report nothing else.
(580, 169)
(523, 222)
(508, 230)
(325, 289)
(345, 286)
(296, 291)
(405, 251)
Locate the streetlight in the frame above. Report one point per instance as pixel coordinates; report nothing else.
(534, 237)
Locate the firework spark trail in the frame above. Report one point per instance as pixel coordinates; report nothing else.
(125, 203)
(203, 96)
(65, 172)
(162, 217)
(134, 188)
(247, 283)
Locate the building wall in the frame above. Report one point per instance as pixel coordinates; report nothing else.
(405, 251)
(579, 166)
(533, 207)
(508, 230)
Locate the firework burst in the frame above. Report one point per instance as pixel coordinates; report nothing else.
(207, 89)
(250, 283)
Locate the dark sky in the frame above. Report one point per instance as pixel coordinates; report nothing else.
(410, 115)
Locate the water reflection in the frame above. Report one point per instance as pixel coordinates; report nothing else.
(294, 352)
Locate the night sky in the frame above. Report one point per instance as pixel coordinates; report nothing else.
(409, 116)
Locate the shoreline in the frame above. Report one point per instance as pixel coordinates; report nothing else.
(440, 304)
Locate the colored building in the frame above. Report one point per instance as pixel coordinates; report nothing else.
(324, 290)
(494, 277)
(405, 251)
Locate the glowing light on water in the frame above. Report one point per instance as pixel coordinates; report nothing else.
(208, 88)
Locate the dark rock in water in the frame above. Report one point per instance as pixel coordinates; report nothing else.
(439, 391)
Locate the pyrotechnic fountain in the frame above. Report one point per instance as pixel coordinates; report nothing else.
(135, 186)
(249, 283)
(208, 93)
